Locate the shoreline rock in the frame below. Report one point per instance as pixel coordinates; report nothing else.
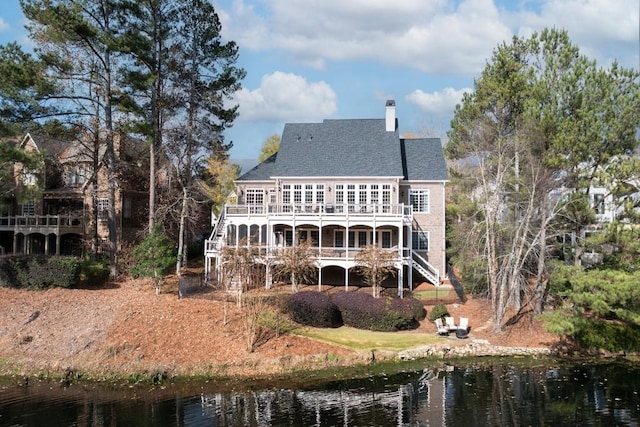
(475, 347)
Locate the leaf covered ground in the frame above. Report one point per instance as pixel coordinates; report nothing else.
(126, 329)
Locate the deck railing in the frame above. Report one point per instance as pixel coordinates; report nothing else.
(325, 210)
(17, 223)
(336, 253)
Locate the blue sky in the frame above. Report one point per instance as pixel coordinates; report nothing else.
(307, 60)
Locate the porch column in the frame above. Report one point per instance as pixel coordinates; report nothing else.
(401, 245)
(346, 278)
(46, 244)
(401, 281)
(15, 243)
(319, 278)
(57, 244)
(268, 278)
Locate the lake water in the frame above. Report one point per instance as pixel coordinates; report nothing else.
(480, 394)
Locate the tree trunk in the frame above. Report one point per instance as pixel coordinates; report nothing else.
(541, 281)
(112, 177)
(182, 256)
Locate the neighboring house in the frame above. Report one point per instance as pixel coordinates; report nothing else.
(342, 185)
(61, 218)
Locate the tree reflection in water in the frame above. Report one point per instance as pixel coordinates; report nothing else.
(491, 394)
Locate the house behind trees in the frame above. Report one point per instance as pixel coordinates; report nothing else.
(67, 213)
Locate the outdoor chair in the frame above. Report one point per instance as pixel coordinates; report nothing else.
(451, 324)
(463, 328)
(442, 330)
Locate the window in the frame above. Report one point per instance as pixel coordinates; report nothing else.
(385, 237)
(255, 200)
(363, 197)
(375, 196)
(351, 196)
(28, 177)
(386, 198)
(320, 194)
(297, 194)
(419, 199)
(288, 237)
(339, 198)
(362, 239)
(77, 175)
(304, 197)
(286, 198)
(598, 203)
(339, 239)
(305, 235)
(420, 241)
(28, 208)
(103, 209)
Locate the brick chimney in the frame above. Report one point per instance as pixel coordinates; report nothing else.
(391, 115)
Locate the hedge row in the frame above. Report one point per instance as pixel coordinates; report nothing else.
(355, 309)
(39, 271)
(313, 309)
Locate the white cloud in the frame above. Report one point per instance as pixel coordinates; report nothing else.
(3, 25)
(435, 36)
(442, 36)
(603, 29)
(439, 103)
(286, 97)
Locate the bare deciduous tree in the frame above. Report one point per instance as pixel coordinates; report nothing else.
(297, 264)
(375, 264)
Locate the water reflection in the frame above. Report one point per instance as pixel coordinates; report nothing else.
(469, 395)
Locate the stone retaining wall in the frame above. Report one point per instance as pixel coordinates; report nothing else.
(472, 348)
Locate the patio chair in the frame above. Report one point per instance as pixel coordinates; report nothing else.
(442, 330)
(463, 328)
(451, 324)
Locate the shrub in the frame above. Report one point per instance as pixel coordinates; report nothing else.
(94, 272)
(410, 307)
(154, 257)
(363, 311)
(438, 311)
(39, 271)
(313, 309)
(612, 336)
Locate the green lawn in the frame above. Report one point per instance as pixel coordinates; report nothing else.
(346, 336)
(442, 292)
(358, 339)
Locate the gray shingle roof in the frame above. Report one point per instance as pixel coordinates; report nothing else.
(424, 159)
(351, 148)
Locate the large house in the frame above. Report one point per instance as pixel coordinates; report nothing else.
(66, 213)
(343, 185)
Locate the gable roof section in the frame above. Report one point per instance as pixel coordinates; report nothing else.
(262, 172)
(424, 160)
(348, 148)
(51, 146)
(351, 148)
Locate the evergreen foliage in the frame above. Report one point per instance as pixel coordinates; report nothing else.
(438, 312)
(154, 257)
(39, 271)
(598, 308)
